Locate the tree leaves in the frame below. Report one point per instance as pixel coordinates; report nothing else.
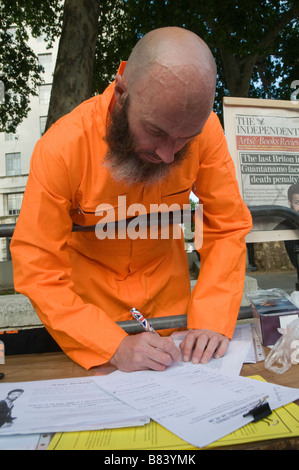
(20, 71)
(254, 44)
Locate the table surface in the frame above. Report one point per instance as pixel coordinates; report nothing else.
(49, 366)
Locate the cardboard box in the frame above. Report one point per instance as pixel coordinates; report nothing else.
(271, 312)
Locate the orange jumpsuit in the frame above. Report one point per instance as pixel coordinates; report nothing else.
(81, 286)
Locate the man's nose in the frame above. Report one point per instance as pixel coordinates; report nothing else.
(166, 152)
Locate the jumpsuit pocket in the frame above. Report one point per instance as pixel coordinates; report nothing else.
(90, 213)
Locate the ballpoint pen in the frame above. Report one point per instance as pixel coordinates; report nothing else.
(143, 321)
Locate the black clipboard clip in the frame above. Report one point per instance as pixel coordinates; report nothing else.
(260, 411)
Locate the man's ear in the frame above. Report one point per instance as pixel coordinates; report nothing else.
(120, 89)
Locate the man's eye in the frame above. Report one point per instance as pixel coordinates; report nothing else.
(156, 132)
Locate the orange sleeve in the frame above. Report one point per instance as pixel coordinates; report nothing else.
(42, 269)
(216, 298)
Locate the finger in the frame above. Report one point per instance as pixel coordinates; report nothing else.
(170, 348)
(199, 348)
(222, 348)
(187, 346)
(164, 350)
(150, 364)
(206, 354)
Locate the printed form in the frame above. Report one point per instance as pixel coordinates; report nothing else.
(195, 402)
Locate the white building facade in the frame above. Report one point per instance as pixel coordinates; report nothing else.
(16, 149)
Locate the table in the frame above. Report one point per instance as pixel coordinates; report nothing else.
(50, 366)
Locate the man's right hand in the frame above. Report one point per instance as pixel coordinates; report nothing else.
(145, 351)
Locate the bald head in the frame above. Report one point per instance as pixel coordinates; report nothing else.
(169, 46)
(175, 50)
(164, 97)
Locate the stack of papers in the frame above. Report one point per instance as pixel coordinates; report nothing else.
(283, 423)
(50, 406)
(245, 332)
(198, 404)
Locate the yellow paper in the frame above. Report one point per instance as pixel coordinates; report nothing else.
(282, 423)
(150, 436)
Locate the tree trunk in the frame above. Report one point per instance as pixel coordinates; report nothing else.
(72, 80)
(237, 72)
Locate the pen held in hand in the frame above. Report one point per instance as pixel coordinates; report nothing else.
(143, 321)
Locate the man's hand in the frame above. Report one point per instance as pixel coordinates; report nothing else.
(200, 345)
(145, 351)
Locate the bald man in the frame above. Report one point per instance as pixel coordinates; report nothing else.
(148, 140)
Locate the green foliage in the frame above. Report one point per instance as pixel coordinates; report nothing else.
(255, 44)
(19, 68)
(115, 42)
(261, 32)
(280, 68)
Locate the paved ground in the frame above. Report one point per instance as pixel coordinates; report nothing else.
(285, 280)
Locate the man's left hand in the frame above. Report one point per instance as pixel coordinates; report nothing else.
(200, 345)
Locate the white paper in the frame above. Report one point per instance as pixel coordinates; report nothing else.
(75, 404)
(194, 402)
(233, 359)
(243, 332)
(19, 442)
(25, 441)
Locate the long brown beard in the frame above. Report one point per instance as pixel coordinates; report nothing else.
(122, 160)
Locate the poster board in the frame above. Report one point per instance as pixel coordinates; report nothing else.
(263, 139)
